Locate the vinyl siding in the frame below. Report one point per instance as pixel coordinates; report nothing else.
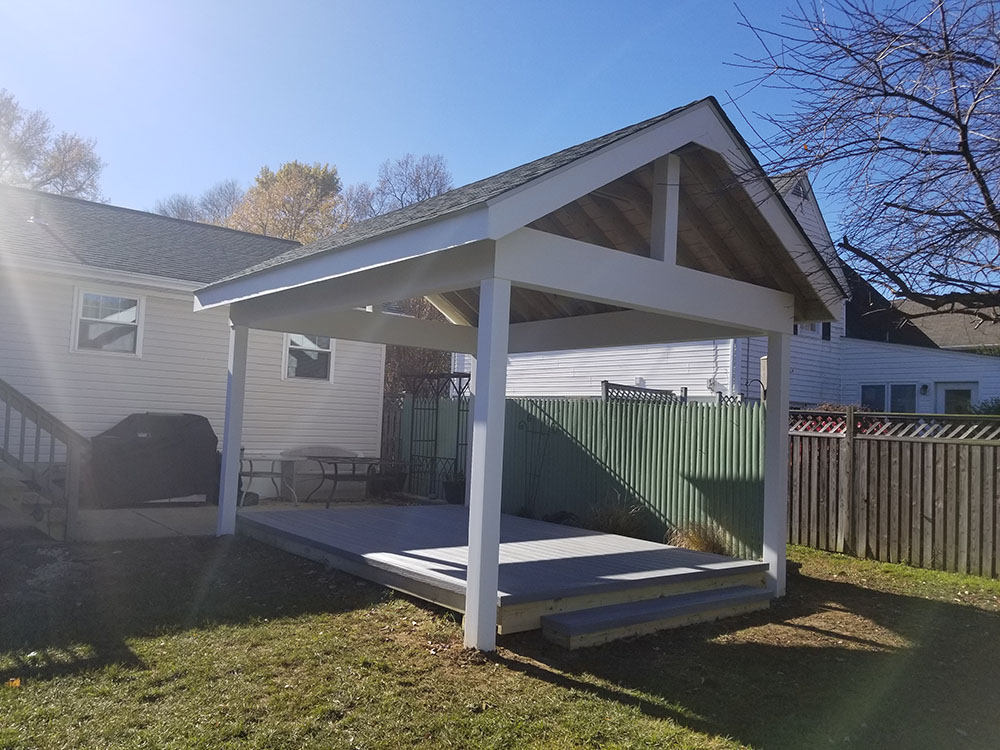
(182, 368)
(815, 366)
(874, 362)
(580, 372)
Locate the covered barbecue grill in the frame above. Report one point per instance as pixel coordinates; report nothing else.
(149, 457)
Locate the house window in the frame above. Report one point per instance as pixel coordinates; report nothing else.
(873, 397)
(903, 398)
(795, 329)
(107, 323)
(826, 331)
(308, 356)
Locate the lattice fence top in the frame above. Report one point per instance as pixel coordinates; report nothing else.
(902, 426)
(631, 394)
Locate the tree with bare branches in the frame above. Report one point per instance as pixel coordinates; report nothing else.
(214, 206)
(897, 108)
(32, 156)
(401, 182)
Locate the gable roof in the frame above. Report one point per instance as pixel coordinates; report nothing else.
(460, 198)
(42, 228)
(746, 216)
(951, 330)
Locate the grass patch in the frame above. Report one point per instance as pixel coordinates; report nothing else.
(231, 644)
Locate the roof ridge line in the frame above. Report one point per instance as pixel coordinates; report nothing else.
(85, 201)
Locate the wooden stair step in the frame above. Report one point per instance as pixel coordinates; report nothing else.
(590, 627)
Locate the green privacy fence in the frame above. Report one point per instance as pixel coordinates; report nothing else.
(685, 463)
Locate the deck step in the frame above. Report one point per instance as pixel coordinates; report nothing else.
(591, 627)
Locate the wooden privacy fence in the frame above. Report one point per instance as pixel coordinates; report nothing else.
(921, 489)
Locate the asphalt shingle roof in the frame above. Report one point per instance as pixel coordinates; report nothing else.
(459, 199)
(952, 330)
(37, 226)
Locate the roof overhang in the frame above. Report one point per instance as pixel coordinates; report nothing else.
(703, 123)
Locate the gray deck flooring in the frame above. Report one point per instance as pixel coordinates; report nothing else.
(538, 560)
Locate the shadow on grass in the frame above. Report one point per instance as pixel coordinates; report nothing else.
(834, 664)
(70, 608)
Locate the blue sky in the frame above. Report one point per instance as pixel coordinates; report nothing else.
(181, 94)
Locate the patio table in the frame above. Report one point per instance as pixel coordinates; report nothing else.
(360, 469)
(264, 465)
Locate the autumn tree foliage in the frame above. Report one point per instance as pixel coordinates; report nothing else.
(33, 155)
(897, 108)
(305, 202)
(297, 202)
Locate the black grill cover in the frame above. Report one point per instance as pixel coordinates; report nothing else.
(154, 457)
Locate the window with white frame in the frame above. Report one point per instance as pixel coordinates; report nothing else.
(308, 356)
(107, 323)
(893, 397)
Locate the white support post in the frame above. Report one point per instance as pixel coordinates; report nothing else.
(486, 476)
(666, 197)
(232, 435)
(776, 461)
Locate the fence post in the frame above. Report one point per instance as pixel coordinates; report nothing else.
(845, 499)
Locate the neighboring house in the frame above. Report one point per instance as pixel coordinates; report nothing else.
(97, 322)
(871, 356)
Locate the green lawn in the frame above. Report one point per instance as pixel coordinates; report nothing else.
(208, 643)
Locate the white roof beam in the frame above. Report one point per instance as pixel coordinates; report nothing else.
(548, 262)
(626, 328)
(378, 328)
(445, 271)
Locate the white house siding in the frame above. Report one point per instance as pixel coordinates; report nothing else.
(182, 368)
(875, 362)
(580, 372)
(815, 366)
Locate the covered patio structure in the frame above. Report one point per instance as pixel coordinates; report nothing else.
(663, 231)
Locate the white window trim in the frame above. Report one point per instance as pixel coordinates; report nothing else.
(286, 344)
(140, 320)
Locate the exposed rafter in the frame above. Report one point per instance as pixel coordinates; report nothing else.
(635, 243)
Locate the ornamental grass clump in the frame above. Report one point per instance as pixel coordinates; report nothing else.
(617, 515)
(701, 537)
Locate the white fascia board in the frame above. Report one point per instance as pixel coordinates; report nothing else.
(378, 328)
(449, 231)
(547, 262)
(832, 261)
(626, 328)
(523, 205)
(448, 270)
(90, 274)
(775, 212)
